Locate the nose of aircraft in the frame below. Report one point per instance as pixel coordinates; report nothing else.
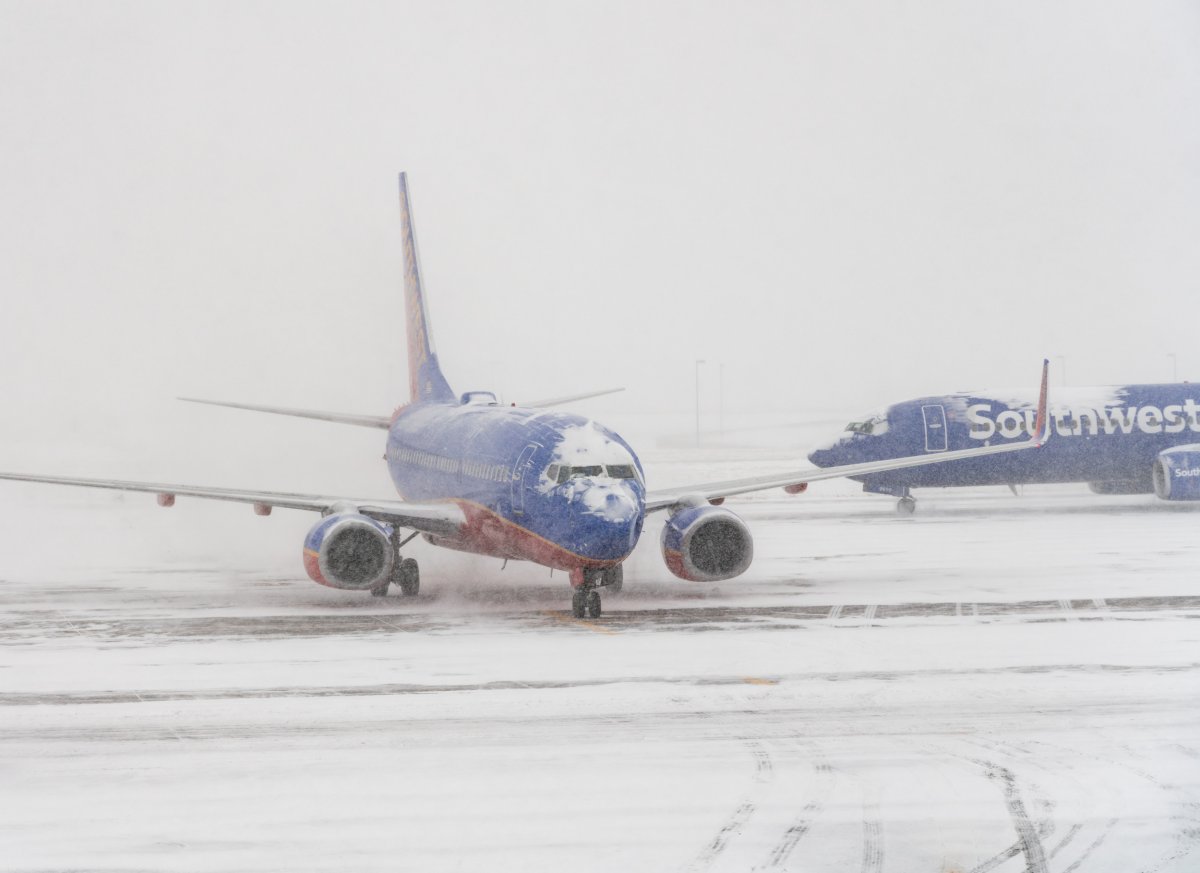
(609, 519)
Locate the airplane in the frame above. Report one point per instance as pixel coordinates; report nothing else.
(1125, 439)
(512, 482)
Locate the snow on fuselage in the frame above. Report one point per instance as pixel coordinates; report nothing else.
(537, 485)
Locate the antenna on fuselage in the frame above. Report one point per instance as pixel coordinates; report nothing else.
(425, 380)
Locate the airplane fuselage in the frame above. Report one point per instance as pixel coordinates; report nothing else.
(1106, 436)
(535, 485)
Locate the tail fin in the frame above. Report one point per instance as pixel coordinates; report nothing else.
(425, 379)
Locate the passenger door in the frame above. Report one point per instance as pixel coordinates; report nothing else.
(520, 473)
(935, 428)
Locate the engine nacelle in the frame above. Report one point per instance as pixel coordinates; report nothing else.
(706, 544)
(348, 550)
(1177, 473)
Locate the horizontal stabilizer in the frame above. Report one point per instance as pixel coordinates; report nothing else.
(568, 398)
(338, 417)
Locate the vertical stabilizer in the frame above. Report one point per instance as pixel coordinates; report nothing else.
(425, 379)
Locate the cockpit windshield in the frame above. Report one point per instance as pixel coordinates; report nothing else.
(873, 426)
(561, 473)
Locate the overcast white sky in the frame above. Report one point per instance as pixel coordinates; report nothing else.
(844, 203)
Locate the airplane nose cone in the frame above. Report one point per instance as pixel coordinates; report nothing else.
(821, 458)
(608, 519)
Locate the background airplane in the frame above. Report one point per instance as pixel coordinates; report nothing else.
(513, 482)
(1128, 439)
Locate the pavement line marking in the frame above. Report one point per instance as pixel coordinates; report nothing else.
(570, 619)
(835, 612)
(759, 680)
(1068, 610)
(869, 614)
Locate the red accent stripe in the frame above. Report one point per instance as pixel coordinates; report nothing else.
(489, 533)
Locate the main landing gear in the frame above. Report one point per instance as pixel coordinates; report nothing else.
(405, 573)
(585, 601)
(906, 505)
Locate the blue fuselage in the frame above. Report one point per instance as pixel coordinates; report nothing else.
(534, 485)
(1098, 435)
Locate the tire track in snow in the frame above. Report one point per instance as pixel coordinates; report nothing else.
(764, 772)
(1027, 835)
(872, 839)
(1095, 844)
(804, 821)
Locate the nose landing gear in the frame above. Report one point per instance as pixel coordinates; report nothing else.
(906, 505)
(585, 601)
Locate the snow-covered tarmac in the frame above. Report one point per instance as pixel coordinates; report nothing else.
(996, 684)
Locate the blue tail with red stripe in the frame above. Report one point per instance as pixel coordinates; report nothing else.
(425, 379)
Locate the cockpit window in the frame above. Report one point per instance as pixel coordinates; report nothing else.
(566, 473)
(561, 474)
(873, 426)
(622, 471)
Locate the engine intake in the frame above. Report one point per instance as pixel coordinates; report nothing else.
(1177, 473)
(348, 550)
(706, 544)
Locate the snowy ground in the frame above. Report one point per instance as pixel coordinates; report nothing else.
(997, 684)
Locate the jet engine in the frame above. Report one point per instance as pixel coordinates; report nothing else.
(706, 544)
(1177, 473)
(348, 550)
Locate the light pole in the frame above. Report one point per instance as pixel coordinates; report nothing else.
(721, 398)
(698, 363)
(1174, 367)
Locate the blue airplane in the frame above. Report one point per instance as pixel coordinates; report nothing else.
(515, 483)
(1127, 439)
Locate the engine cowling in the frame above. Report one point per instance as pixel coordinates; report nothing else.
(348, 550)
(1177, 473)
(706, 544)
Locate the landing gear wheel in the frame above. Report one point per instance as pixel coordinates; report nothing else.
(614, 579)
(906, 505)
(381, 589)
(410, 578)
(593, 604)
(578, 603)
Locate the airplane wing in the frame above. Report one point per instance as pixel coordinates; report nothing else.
(696, 494)
(338, 417)
(435, 518)
(569, 398)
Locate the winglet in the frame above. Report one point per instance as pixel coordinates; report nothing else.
(425, 378)
(1041, 427)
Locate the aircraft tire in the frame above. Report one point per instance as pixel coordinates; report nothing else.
(578, 603)
(906, 505)
(381, 589)
(410, 578)
(593, 604)
(614, 578)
